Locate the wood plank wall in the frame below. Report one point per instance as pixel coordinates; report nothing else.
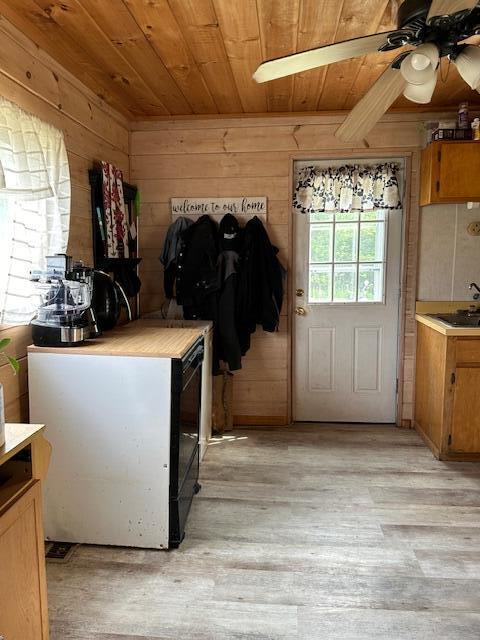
(254, 156)
(93, 131)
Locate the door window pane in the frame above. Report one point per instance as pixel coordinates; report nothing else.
(321, 216)
(347, 257)
(344, 283)
(321, 237)
(377, 214)
(346, 242)
(320, 284)
(372, 241)
(370, 282)
(346, 216)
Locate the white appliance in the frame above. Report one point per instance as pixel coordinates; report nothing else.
(124, 432)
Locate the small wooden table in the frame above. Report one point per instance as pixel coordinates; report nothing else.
(24, 462)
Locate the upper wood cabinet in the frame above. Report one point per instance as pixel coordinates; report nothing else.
(450, 172)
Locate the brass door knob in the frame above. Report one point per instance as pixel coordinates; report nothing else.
(299, 293)
(300, 311)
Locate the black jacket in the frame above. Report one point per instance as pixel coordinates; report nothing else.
(228, 342)
(171, 249)
(197, 275)
(260, 284)
(198, 279)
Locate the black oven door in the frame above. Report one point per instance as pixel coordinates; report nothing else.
(184, 437)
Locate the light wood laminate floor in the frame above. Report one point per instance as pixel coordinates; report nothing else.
(315, 531)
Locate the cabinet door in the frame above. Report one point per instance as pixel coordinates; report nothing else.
(466, 411)
(458, 172)
(23, 595)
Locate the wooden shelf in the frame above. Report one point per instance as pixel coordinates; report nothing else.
(18, 436)
(12, 490)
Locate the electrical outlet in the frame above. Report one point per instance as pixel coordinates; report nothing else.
(474, 229)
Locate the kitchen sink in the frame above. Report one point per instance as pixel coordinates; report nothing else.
(459, 319)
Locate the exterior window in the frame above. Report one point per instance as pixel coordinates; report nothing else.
(347, 255)
(34, 206)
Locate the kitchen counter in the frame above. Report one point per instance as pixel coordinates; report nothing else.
(447, 329)
(140, 338)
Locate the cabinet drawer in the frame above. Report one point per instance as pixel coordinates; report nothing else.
(468, 351)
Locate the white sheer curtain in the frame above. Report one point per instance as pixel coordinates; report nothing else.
(34, 205)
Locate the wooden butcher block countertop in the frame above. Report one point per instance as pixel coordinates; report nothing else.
(146, 338)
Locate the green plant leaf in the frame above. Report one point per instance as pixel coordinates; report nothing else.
(4, 343)
(14, 364)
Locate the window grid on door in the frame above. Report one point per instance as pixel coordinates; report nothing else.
(347, 257)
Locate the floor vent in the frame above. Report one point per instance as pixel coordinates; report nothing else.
(59, 551)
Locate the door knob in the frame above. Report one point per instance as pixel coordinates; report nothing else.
(299, 293)
(300, 311)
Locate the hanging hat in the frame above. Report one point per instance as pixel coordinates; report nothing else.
(229, 233)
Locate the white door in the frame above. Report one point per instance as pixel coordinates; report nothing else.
(346, 298)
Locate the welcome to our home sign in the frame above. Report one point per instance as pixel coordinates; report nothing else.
(243, 207)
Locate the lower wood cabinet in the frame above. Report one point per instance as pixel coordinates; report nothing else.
(447, 394)
(466, 410)
(23, 596)
(24, 462)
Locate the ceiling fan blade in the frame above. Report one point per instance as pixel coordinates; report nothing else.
(446, 7)
(372, 106)
(474, 40)
(296, 62)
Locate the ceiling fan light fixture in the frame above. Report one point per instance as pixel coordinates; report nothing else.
(420, 61)
(468, 65)
(421, 93)
(420, 65)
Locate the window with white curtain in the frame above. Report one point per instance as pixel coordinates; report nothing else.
(34, 206)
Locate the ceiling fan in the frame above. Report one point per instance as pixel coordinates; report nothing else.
(436, 28)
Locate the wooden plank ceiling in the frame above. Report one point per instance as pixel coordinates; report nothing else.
(180, 57)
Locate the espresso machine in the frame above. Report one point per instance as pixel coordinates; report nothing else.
(64, 317)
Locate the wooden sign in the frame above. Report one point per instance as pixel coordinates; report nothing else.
(243, 208)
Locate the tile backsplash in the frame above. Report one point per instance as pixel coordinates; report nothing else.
(449, 258)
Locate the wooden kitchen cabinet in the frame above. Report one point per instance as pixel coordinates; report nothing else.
(466, 409)
(449, 172)
(447, 394)
(23, 588)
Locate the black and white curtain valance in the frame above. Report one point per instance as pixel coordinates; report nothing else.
(347, 188)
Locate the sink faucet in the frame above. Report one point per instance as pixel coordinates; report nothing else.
(474, 285)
